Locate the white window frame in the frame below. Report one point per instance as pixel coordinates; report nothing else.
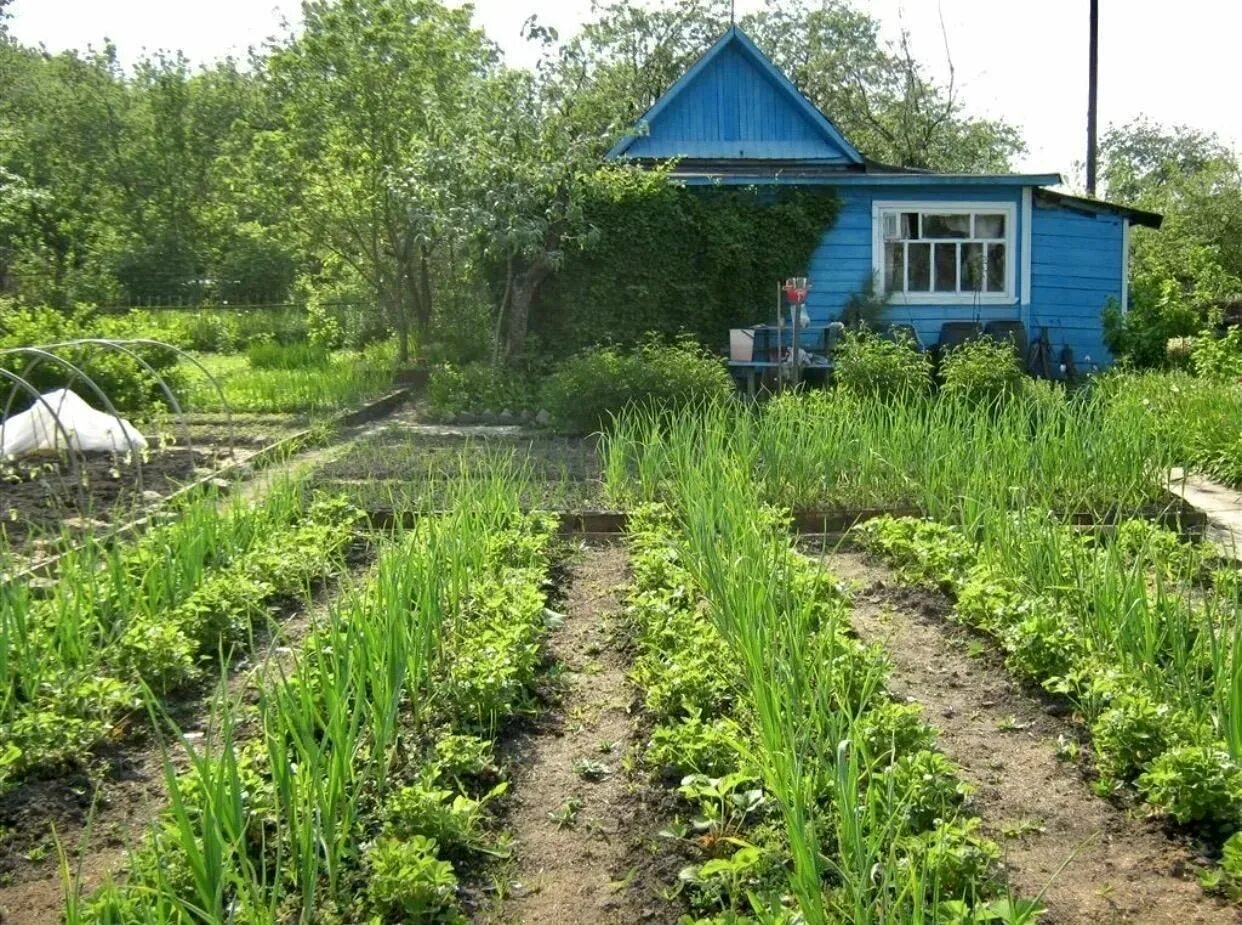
(1008, 209)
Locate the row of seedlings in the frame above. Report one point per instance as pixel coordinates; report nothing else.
(807, 793)
(371, 783)
(835, 451)
(126, 623)
(1140, 629)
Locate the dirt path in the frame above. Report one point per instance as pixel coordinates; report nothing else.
(573, 810)
(98, 820)
(1038, 808)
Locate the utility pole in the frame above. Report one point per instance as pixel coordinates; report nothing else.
(1093, 67)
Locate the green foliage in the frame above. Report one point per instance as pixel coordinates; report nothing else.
(647, 274)
(692, 746)
(982, 370)
(1195, 783)
(1181, 273)
(869, 365)
(584, 393)
(452, 820)
(954, 856)
(121, 378)
(409, 881)
(1218, 357)
(477, 387)
(1134, 731)
(925, 552)
(278, 356)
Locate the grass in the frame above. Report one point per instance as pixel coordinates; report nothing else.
(286, 381)
(949, 459)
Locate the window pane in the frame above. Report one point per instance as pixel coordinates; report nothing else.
(918, 266)
(894, 267)
(946, 226)
(972, 267)
(909, 225)
(996, 268)
(990, 226)
(946, 267)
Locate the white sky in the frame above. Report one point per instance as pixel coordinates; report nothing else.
(1025, 60)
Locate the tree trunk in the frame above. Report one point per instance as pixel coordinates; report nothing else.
(424, 297)
(401, 322)
(525, 285)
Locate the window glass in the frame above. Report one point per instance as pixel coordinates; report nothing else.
(894, 266)
(918, 267)
(990, 226)
(945, 262)
(972, 267)
(946, 226)
(996, 268)
(946, 252)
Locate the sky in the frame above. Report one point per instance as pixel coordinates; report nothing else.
(1022, 60)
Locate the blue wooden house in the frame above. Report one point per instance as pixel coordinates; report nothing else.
(946, 249)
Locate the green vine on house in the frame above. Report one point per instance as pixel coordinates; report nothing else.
(672, 260)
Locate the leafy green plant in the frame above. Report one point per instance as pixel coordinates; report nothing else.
(408, 879)
(477, 388)
(982, 370)
(869, 365)
(1195, 783)
(584, 393)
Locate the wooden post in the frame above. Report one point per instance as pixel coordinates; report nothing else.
(1093, 68)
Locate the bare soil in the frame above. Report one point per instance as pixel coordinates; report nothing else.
(1095, 862)
(98, 811)
(581, 869)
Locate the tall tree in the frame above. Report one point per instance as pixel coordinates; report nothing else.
(372, 96)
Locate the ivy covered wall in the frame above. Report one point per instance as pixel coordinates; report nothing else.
(671, 259)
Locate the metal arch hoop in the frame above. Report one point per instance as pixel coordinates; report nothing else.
(228, 410)
(74, 468)
(119, 346)
(43, 354)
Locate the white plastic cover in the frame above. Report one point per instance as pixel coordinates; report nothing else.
(35, 430)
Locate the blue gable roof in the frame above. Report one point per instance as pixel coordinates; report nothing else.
(735, 104)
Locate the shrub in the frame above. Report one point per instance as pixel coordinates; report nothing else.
(1218, 357)
(272, 355)
(982, 370)
(589, 388)
(126, 383)
(476, 387)
(207, 332)
(1156, 315)
(870, 365)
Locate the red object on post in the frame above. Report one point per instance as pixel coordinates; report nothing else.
(796, 288)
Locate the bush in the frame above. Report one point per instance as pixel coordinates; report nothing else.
(295, 356)
(588, 389)
(476, 387)
(983, 370)
(124, 380)
(1218, 357)
(870, 365)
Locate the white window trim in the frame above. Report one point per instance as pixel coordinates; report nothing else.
(1008, 297)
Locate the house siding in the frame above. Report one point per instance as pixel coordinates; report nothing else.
(842, 264)
(1077, 266)
(733, 109)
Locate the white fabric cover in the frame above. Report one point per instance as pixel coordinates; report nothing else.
(90, 431)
